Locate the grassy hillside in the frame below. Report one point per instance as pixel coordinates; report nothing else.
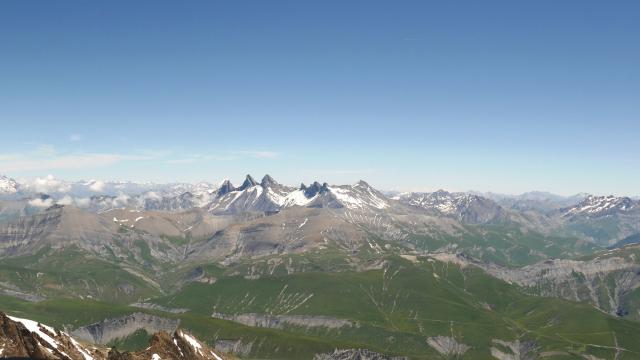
(504, 244)
(393, 309)
(72, 272)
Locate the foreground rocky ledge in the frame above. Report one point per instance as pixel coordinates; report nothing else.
(23, 338)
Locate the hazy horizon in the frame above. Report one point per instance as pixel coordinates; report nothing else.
(49, 179)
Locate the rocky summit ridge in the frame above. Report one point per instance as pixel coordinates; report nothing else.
(28, 339)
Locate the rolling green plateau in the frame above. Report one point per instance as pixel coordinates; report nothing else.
(391, 305)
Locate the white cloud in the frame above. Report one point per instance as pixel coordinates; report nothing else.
(121, 199)
(79, 202)
(75, 137)
(63, 162)
(41, 203)
(260, 154)
(96, 185)
(152, 195)
(225, 156)
(66, 200)
(49, 184)
(82, 202)
(182, 161)
(45, 157)
(45, 150)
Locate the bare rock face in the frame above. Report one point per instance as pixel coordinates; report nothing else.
(282, 321)
(30, 339)
(447, 345)
(234, 346)
(152, 306)
(22, 338)
(180, 345)
(569, 279)
(111, 329)
(467, 208)
(514, 350)
(356, 354)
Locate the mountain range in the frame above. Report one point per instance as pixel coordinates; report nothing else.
(267, 270)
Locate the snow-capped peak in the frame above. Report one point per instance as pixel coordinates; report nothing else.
(8, 185)
(468, 208)
(269, 196)
(359, 196)
(225, 188)
(267, 180)
(248, 182)
(597, 206)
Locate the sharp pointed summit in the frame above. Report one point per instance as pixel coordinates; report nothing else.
(315, 188)
(248, 182)
(267, 180)
(226, 188)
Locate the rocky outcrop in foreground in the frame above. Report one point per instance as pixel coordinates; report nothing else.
(180, 345)
(23, 338)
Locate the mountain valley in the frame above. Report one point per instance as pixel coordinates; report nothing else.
(266, 270)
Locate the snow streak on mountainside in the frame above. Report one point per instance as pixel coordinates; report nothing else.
(603, 220)
(599, 206)
(270, 196)
(24, 338)
(252, 196)
(8, 185)
(465, 207)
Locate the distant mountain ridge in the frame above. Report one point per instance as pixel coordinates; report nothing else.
(467, 208)
(241, 264)
(599, 206)
(534, 200)
(251, 196)
(84, 190)
(580, 215)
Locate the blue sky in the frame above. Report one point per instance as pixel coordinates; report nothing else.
(504, 96)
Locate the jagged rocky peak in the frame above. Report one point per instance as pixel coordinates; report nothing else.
(315, 188)
(178, 345)
(441, 193)
(225, 188)
(267, 181)
(27, 339)
(248, 182)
